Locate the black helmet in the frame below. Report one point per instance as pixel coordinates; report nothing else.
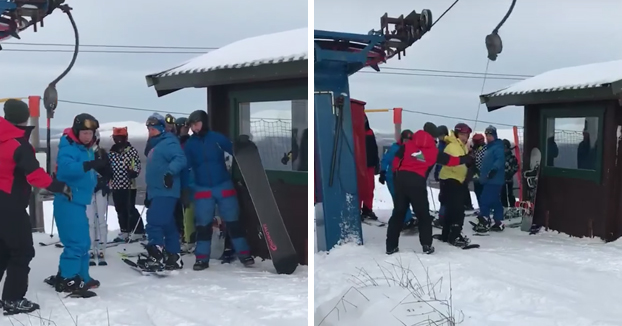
(169, 119)
(199, 116)
(442, 130)
(84, 121)
(181, 122)
(507, 144)
(406, 134)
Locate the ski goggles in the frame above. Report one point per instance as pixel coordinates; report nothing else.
(169, 119)
(153, 122)
(90, 124)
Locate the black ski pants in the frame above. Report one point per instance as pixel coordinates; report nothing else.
(16, 252)
(507, 194)
(477, 187)
(410, 189)
(467, 196)
(179, 218)
(125, 205)
(453, 200)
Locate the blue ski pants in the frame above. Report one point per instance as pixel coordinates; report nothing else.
(161, 227)
(206, 200)
(490, 198)
(73, 231)
(391, 186)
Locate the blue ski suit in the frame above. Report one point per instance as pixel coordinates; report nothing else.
(386, 164)
(490, 198)
(213, 187)
(71, 219)
(165, 156)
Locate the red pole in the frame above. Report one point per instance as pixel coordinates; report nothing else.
(397, 120)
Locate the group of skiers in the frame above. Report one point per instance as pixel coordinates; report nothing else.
(182, 172)
(405, 167)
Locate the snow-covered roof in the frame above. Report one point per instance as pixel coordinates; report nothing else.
(267, 49)
(579, 77)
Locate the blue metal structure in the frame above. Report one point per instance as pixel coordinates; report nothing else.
(338, 56)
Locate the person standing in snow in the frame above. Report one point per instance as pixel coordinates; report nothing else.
(125, 164)
(511, 167)
(492, 178)
(184, 216)
(373, 168)
(97, 210)
(76, 165)
(479, 150)
(417, 158)
(452, 182)
(165, 164)
(19, 170)
(442, 133)
(205, 151)
(388, 166)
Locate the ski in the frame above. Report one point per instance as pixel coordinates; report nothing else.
(374, 223)
(108, 244)
(469, 246)
(43, 244)
(273, 230)
(139, 253)
(144, 272)
(81, 294)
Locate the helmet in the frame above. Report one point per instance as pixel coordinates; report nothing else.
(84, 121)
(199, 116)
(155, 120)
(462, 128)
(442, 130)
(491, 130)
(119, 131)
(181, 122)
(478, 139)
(169, 119)
(507, 144)
(406, 134)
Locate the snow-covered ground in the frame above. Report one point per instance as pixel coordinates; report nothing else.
(513, 279)
(221, 295)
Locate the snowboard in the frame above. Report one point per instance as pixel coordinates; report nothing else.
(45, 244)
(469, 246)
(282, 251)
(534, 164)
(78, 294)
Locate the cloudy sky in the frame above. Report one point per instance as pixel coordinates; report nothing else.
(118, 79)
(539, 36)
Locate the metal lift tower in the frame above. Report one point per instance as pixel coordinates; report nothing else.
(338, 56)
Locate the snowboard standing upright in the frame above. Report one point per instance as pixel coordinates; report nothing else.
(282, 252)
(531, 180)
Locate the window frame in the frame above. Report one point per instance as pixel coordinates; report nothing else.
(572, 111)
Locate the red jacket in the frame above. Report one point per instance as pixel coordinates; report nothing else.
(420, 154)
(19, 168)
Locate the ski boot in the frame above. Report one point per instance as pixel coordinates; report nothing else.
(122, 237)
(53, 281)
(411, 224)
(483, 225)
(92, 284)
(391, 251)
(154, 260)
(12, 307)
(75, 287)
(200, 265)
(368, 213)
(534, 229)
(497, 227)
(173, 262)
(428, 249)
(456, 238)
(101, 259)
(228, 255)
(92, 258)
(247, 261)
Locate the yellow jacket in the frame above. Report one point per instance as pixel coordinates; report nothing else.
(454, 148)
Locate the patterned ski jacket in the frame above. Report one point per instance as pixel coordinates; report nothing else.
(511, 166)
(479, 153)
(123, 159)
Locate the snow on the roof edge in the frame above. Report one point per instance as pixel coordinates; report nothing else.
(577, 77)
(279, 47)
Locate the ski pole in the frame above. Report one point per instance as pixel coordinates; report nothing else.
(140, 218)
(52, 230)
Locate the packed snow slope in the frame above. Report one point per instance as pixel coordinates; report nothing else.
(221, 295)
(514, 279)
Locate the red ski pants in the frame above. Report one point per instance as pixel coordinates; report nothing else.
(367, 197)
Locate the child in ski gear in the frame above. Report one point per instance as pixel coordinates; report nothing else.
(19, 170)
(169, 119)
(126, 167)
(184, 217)
(511, 167)
(492, 178)
(165, 164)
(479, 150)
(388, 165)
(205, 151)
(452, 180)
(373, 168)
(97, 210)
(417, 158)
(76, 166)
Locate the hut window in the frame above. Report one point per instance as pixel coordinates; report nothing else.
(571, 143)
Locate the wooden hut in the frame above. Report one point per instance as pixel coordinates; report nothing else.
(573, 116)
(267, 71)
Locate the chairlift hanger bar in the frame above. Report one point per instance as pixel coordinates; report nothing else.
(494, 45)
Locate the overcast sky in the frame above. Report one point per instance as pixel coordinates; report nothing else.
(119, 79)
(539, 36)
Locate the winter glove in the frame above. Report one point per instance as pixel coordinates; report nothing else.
(168, 181)
(383, 177)
(132, 174)
(60, 187)
(96, 164)
(376, 169)
(492, 174)
(467, 160)
(147, 201)
(185, 197)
